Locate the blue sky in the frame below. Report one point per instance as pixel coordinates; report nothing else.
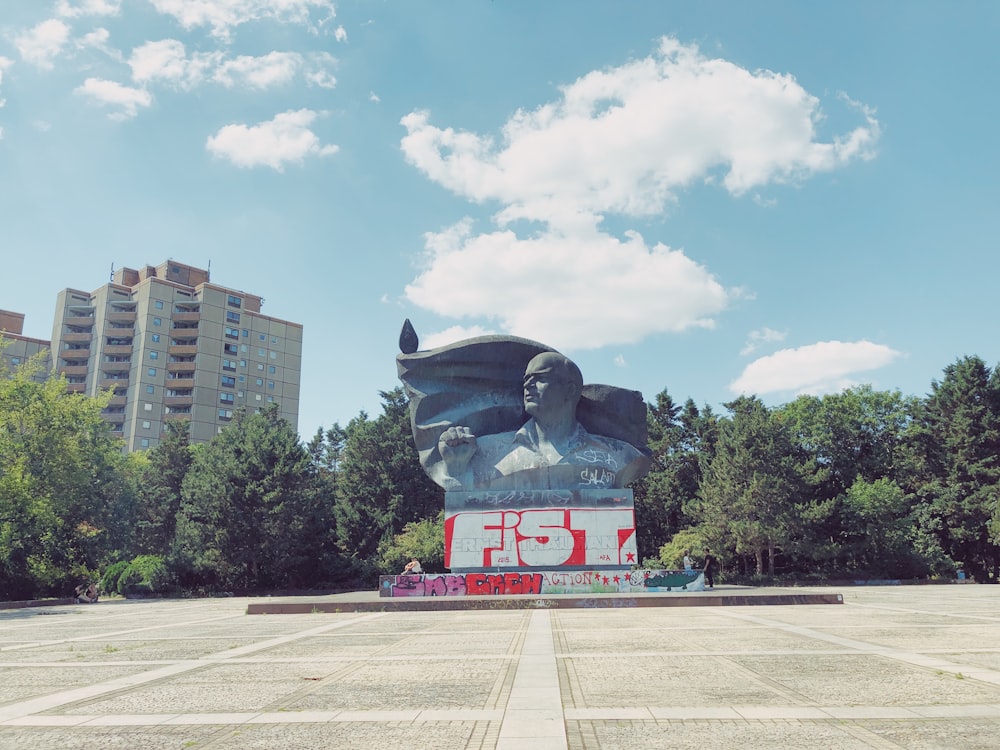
(709, 197)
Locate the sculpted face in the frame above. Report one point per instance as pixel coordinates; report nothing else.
(552, 386)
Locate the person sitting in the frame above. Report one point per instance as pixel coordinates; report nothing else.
(412, 567)
(86, 594)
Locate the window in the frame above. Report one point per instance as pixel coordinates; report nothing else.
(15, 360)
(258, 397)
(243, 378)
(270, 399)
(146, 424)
(270, 384)
(244, 349)
(230, 348)
(260, 367)
(144, 443)
(159, 304)
(262, 336)
(157, 321)
(261, 353)
(156, 338)
(147, 406)
(246, 332)
(274, 339)
(227, 398)
(152, 372)
(232, 317)
(243, 363)
(260, 381)
(239, 394)
(150, 389)
(234, 300)
(225, 413)
(271, 369)
(154, 355)
(228, 381)
(232, 333)
(273, 355)
(229, 364)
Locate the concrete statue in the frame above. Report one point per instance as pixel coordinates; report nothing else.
(504, 413)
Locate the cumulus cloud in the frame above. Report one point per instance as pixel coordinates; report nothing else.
(824, 367)
(222, 16)
(125, 99)
(168, 62)
(41, 44)
(626, 141)
(452, 335)
(5, 62)
(69, 9)
(285, 139)
(761, 336)
(579, 291)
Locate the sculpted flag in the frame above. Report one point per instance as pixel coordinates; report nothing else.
(478, 383)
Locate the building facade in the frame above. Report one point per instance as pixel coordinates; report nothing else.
(174, 346)
(19, 349)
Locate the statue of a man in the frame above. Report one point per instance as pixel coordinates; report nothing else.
(552, 450)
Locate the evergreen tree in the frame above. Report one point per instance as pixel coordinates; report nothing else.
(380, 484)
(160, 498)
(957, 445)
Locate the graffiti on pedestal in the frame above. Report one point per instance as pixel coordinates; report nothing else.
(544, 582)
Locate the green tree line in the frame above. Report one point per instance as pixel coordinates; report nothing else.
(859, 484)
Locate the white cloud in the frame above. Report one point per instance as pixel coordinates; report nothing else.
(222, 16)
(126, 99)
(373, 97)
(579, 291)
(340, 34)
(761, 336)
(69, 9)
(284, 139)
(453, 335)
(625, 141)
(620, 361)
(42, 44)
(824, 367)
(272, 69)
(167, 61)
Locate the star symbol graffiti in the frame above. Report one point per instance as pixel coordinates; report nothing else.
(617, 579)
(630, 557)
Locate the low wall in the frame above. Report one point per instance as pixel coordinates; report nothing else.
(543, 582)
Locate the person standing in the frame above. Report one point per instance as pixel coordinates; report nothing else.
(709, 569)
(688, 562)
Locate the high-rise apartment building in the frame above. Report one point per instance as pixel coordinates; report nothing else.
(19, 348)
(175, 346)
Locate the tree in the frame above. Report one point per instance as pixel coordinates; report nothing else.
(160, 497)
(380, 484)
(65, 490)
(957, 445)
(679, 438)
(249, 515)
(752, 485)
(423, 539)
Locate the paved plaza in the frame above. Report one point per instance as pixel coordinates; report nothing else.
(892, 667)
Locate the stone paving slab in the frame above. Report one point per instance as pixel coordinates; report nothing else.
(893, 667)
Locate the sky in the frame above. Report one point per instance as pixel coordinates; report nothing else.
(709, 198)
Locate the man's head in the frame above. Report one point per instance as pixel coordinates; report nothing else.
(552, 387)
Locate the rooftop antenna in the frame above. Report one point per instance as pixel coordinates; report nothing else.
(208, 271)
(112, 277)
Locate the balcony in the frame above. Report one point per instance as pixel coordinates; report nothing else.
(76, 387)
(115, 367)
(185, 350)
(76, 338)
(118, 350)
(73, 370)
(81, 321)
(181, 367)
(186, 317)
(175, 401)
(117, 400)
(119, 384)
(175, 416)
(75, 354)
(180, 383)
(122, 317)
